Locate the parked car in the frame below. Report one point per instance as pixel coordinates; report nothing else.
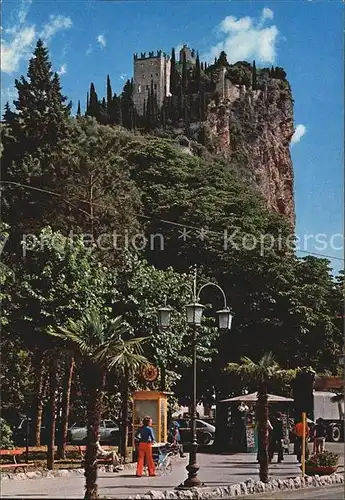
(205, 432)
(20, 431)
(109, 430)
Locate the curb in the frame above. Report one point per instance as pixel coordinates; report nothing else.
(39, 474)
(248, 487)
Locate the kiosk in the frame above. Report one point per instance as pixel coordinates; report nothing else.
(155, 405)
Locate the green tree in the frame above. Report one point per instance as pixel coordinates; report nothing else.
(259, 373)
(34, 139)
(43, 109)
(110, 102)
(222, 59)
(6, 441)
(173, 73)
(198, 72)
(100, 346)
(104, 199)
(127, 106)
(254, 77)
(58, 279)
(78, 109)
(93, 108)
(9, 116)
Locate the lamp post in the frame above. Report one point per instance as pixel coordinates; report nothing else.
(194, 312)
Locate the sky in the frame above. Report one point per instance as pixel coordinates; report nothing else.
(89, 39)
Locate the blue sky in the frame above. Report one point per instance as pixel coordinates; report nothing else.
(89, 39)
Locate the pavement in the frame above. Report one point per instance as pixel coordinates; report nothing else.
(330, 493)
(215, 470)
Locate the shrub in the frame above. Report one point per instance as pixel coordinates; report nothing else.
(325, 459)
(5, 435)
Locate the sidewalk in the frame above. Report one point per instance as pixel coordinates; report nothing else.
(214, 470)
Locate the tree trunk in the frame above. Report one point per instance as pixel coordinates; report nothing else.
(65, 409)
(124, 419)
(52, 420)
(94, 415)
(262, 421)
(39, 383)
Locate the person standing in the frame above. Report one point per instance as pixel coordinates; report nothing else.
(320, 433)
(277, 436)
(176, 438)
(298, 431)
(145, 438)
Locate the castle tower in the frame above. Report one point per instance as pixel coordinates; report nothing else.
(149, 69)
(190, 55)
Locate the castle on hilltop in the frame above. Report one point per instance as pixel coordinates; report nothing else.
(152, 73)
(153, 70)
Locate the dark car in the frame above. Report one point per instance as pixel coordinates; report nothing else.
(24, 429)
(205, 432)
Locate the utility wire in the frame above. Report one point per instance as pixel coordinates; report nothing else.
(164, 221)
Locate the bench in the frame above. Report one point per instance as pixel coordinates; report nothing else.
(14, 465)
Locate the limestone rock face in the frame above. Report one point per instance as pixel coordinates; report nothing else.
(256, 127)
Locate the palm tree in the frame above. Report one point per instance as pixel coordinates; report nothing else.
(260, 374)
(101, 349)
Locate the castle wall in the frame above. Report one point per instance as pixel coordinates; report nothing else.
(154, 69)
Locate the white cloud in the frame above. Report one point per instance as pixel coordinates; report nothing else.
(267, 13)
(55, 24)
(246, 38)
(62, 70)
(17, 40)
(17, 49)
(101, 40)
(123, 76)
(300, 131)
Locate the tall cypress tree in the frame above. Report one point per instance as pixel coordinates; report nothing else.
(116, 108)
(78, 109)
(87, 104)
(127, 105)
(110, 104)
(173, 76)
(94, 105)
(198, 72)
(254, 77)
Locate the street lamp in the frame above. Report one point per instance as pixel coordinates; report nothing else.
(194, 314)
(341, 360)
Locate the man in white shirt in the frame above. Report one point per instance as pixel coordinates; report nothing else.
(105, 454)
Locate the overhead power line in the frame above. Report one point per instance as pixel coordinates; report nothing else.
(163, 221)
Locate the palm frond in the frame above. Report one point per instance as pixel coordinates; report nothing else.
(74, 339)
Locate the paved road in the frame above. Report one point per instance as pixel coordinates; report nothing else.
(214, 470)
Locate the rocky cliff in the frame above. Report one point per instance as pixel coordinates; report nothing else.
(256, 127)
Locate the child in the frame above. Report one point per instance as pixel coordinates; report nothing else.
(320, 433)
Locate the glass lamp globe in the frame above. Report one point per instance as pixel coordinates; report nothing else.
(164, 316)
(224, 319)
(194, 313)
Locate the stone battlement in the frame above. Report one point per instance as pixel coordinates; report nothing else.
(151, 55)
